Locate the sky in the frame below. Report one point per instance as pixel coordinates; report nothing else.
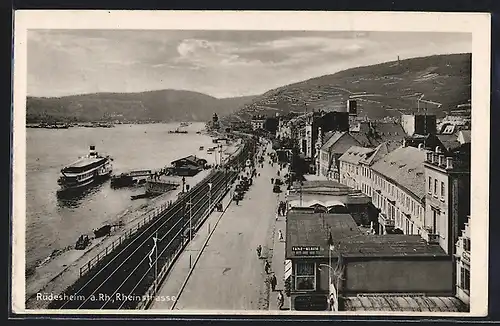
(217, 63)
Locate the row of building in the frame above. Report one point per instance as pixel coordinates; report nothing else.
(385, 213)
(332, 247)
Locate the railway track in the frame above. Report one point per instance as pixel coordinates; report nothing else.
(120, 280)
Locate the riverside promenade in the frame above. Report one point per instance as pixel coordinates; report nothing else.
(228, 275)
(64, 270)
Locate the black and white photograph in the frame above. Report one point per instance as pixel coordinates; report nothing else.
(269, 163)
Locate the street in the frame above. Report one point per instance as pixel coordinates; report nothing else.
(229, 275)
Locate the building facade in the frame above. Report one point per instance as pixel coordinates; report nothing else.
(334, 146)
(323, 122)
(420, 124)
(399, 264)
(462, 259)
(351, 171)
(447, 197)
(397, 183)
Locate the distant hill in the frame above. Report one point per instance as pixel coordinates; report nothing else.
(162, 105)
(381, 90)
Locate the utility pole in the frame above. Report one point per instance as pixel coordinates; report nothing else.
(190, 219)
(156, 263)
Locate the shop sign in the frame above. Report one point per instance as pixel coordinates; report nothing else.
(305, 250)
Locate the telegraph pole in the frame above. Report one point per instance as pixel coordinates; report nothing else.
(190, 219)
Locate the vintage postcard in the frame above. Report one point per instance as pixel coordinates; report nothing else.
(271, 163)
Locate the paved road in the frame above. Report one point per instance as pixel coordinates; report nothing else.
(228, 275)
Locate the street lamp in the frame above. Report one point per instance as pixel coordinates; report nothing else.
(190, 218)
(333, 291)
(300, 192)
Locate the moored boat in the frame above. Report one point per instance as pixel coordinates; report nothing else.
(87, 170)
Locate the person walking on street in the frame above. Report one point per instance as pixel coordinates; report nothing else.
(267, 266)
(273, 282)
(280, 300)
(259, 250)
(331, 302)
(280, 235)
(272, 180)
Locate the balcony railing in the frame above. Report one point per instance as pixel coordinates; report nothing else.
(433, 238)
(387, 221)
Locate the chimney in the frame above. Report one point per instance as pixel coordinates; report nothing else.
(449, 163)
(442, 161)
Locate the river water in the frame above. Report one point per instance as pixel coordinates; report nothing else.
(54, 224)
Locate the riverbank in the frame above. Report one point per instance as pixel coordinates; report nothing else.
(64, 269)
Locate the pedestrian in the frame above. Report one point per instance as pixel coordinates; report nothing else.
(259, 250)
(272, 180)
(267, 266)
(273, 282)
(331, 302)
(280, 235)
(280, 300)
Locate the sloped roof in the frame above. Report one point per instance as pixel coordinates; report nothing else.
(403, 303)
(449, 141)
(355, 154)
(190, 159)
(379, 152)
(389, 132)
(310, 203)
(332, 139)
(465, 135)
(404, 166)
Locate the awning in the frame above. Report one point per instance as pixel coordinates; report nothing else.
(288, 268)
(313, 202)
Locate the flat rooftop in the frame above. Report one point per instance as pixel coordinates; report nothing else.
(308, 229)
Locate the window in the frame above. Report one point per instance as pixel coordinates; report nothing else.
(430, 184)
(465, 279)
(442, 190)
(466, 242)
(305, 276)
(435, 187)
(434, 221)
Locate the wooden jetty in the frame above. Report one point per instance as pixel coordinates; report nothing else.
(129, 178)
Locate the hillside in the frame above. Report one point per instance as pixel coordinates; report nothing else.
(386, 89)
(162, 105)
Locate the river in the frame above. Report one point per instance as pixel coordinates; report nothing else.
(55, 224)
